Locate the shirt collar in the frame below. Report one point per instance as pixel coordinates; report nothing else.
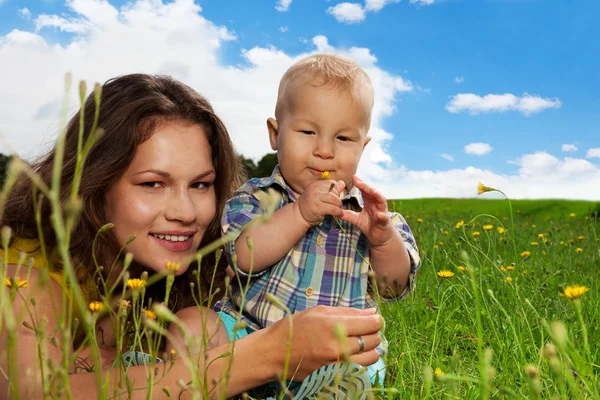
(277, 179)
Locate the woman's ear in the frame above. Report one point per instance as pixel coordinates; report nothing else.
(273, 128)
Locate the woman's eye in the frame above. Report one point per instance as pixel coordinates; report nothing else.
(151, 184)
(201, 185)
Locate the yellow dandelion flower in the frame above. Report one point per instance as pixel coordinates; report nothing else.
(460, 224)
(476, 233)
(461, 268)
(574, 292)
(149, 313)
(445, 232)
(579, 250)
(510, 268)
(541, 235)
(17, 282)
(571, 241)
(445, 274)
(534, 226)
(508, 279)
(481, 188)
(501, 230)
(325, 175)
(173, 353)
(438, 371)
(419, 220)
(96, 306)
(488, 227)
(535, 244)
(572, 215)
(524, 273)
(526, 253)
(172, 267)
(136, 283)
(435, 246)
(580, 237)
(502, 269)
(562, 242)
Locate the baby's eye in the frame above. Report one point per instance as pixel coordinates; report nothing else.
(344, 138)
(151, 184)
(308, 132)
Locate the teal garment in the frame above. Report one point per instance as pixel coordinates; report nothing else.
(376, 372)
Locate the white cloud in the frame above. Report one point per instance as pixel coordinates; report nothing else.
(478, 149)
(593, 153)
(423, 2)
(347, 13)
(474, 104)
(459, 79)
(447, 156)
(283, 29)
(283, 5)
(65, 25)
(376, 5)
(25, 13)
(569, 147)
(542, 163)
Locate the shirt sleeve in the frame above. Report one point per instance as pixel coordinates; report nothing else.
(413, 253)
(240, 211)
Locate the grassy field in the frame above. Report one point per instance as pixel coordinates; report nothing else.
(489, 329)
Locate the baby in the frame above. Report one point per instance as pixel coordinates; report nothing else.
(329, 229)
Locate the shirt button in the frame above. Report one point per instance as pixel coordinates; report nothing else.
(320, 241)
(309, 291)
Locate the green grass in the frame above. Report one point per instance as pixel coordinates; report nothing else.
(437, 327)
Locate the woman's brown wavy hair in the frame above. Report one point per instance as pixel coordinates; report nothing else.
(131, 107)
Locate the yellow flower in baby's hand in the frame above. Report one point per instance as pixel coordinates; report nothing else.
(574, 292)
(17, 282)
(96, 306)
(325, 175)
(460, 224)
(445, 274)
(136, 283)
(488, 227)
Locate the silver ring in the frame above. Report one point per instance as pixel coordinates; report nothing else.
(361, 344)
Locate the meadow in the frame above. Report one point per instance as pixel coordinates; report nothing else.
(495, 313)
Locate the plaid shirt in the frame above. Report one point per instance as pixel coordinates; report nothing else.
(322, 268)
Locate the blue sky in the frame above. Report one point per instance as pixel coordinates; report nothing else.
(545, 51)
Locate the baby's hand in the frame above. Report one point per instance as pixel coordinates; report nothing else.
(374, 220)
(319, 199)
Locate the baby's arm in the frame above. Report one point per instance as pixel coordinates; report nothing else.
(274, 238)
(394, 257)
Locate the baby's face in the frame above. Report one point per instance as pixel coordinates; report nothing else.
(321, 128)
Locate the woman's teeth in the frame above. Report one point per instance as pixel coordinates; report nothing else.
(172, 238)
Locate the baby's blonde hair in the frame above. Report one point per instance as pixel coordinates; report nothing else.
(329, 69)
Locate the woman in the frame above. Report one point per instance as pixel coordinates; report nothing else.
(162, 171)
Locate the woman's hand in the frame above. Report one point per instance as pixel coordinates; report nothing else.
(315, 342)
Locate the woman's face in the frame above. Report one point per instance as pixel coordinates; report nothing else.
(166, 197)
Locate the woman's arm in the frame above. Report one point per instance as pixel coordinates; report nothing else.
(258, 358)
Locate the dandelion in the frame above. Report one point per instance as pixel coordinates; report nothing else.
(460, 224)
(445, 274)
(481, 188)
(488, 227)
(510, 268)
(535, 244)
(502, 269)
(172, 267)
(438, 371)
(17, 282)
(572, 215)
(136, 283)
(501, 230)
(96, 306)
(525, 254)
(173, 353)
(579, 250)
(562, 242)
(541, 235)
(325, 175)
(524, 273)
(574, 292)
(149, 313)
(534, 226)
(419, 220)
(461, 268)
(580, 237)
(508, 279)
(476, 234)
(445, 232)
